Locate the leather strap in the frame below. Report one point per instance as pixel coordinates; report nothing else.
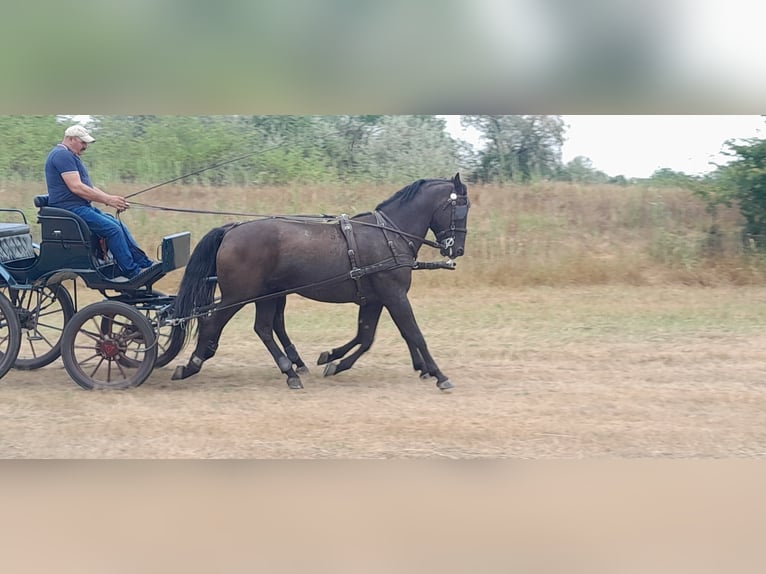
(356, 273)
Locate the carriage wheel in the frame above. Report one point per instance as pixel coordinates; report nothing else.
(170, 341)
(109, 345)
(170, 338)
(10, 335)
(42, 313)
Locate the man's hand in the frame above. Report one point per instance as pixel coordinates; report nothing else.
(118, 202)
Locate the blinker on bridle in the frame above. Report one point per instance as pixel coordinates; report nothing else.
(459, 213)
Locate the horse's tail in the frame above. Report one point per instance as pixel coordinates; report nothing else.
(196, 290)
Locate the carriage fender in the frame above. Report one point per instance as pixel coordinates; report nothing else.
(6, 276)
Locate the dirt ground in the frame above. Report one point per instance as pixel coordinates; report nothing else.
(565, 373)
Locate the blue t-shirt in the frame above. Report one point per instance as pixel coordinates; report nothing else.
(61, 160)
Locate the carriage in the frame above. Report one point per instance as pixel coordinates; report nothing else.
(112, 343)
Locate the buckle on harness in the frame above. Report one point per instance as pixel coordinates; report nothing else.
(356, 273)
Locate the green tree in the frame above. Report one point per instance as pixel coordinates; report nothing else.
(742, 182)
(518, 148)
(667, 177)
(157, 148)
(580, 170)
(149, 149)
(25, 144)
(410, 147)
(347, 142)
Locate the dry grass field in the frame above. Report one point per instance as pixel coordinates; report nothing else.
(580, 324)
(539, 373)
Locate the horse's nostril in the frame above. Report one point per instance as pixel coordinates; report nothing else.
(460, 252)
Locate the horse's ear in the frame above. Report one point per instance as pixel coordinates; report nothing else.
(457, 183)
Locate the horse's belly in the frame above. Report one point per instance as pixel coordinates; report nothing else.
(339, 293)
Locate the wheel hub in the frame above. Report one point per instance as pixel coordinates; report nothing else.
(26, 319)
(109, 349)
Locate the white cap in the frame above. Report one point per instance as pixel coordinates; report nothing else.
(79, 132)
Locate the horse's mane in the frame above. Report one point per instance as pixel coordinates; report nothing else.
(407, 193)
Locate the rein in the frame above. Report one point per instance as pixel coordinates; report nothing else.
(446, 243)
(237, 213)
(383, 222)
(320, 218)
(387, 264)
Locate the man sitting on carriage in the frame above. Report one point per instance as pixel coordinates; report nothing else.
(70, 188)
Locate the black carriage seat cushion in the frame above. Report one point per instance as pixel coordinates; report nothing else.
(63, 225)
(15, 242)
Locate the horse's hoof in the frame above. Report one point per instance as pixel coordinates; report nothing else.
(294, 383)
(323, 358)
(330, 369)
(304, 370)
(178, 373)
(445, 385)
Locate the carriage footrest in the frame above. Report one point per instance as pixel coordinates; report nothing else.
(150, 273)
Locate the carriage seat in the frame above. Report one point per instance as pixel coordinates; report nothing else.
(15, 242)
(62, 225)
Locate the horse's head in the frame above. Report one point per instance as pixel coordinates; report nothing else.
(450, 220)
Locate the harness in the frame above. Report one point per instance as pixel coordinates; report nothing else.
(387, 264)
(445, 241)
(356, 272)
(459, 207)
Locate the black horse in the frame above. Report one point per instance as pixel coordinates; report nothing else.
(367, 259)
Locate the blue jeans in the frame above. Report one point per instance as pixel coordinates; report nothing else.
(119, 240)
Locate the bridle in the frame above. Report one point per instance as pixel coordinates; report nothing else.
(446, 237)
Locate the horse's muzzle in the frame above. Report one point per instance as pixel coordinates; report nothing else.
(452, 252)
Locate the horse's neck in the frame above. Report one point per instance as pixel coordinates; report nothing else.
(408, 218)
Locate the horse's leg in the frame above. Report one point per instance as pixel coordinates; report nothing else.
(340, 352)
(417, 360)
(281, 332)
(404, 318)
(265, 315)
(210, 328)
(368, 323)
(337, 353)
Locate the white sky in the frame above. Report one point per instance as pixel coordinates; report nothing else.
(636, 146)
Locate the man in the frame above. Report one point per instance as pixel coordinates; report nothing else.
(70, 188)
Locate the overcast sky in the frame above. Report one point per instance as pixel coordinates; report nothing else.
(636, 146)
